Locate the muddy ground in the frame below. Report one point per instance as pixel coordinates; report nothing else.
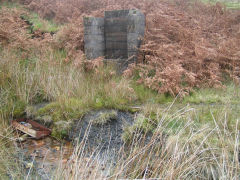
(104, 137)
(41, 158)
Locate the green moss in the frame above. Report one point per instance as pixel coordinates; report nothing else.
(99, 102)
(60, 129)
(18, 109)
(64, 110)
(59, 134)
(142, 125)
(48, 108)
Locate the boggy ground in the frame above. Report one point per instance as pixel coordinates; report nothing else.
(104, 135)
(100, 131)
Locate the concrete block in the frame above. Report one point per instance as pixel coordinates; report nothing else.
(116, 36)
(94, 41)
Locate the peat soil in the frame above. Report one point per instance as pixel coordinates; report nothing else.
(41, 158)
(103, 139)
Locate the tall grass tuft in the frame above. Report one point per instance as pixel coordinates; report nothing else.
(209, 152)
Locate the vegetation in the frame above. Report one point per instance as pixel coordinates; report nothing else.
(104, 117)
(40, 24)
(180, 131)
(231, 4)
(177, 55)
(189, 151)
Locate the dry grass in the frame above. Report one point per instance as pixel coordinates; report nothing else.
(187, 43)
(10, 165)
(208, 152)
(184, 145)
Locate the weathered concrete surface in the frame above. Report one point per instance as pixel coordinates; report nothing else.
(116, 25)
(136, 29)
(116, 36)
(94, 37)
(124, 30)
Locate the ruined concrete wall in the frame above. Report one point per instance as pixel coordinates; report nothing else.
(94, 41)
(116, 36)
(116, 25)
(124, 30)
(136, 29)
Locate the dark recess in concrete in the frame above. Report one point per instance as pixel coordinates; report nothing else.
(117, 36)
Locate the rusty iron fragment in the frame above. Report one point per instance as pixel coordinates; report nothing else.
(31, 128)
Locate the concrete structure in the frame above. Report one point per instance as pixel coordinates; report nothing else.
(117, 36)
(94, 41)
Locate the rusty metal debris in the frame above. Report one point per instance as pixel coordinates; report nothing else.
(31, 128)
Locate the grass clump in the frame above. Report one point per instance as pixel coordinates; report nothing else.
(229, 94)
(191, 152)
(104, 117)
(142, 125)
(175, 118)
(146, 95)
(67, 109)
(10, 163)
(231, 4)
(39, 24)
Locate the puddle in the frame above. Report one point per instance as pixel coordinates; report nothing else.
(44, 156)
(47, 150)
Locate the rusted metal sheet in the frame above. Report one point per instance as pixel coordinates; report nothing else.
(31, 128)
